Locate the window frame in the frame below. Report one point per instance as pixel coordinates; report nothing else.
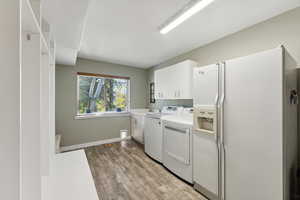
(101, 114)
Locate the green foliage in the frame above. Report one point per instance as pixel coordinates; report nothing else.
(113, 95)
(100, 105)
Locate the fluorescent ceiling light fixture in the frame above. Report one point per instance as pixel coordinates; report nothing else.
(192, 8)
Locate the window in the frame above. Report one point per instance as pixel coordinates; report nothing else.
(99, 93)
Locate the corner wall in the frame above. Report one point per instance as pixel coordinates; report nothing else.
(89, 130)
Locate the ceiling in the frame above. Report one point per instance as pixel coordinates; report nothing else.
(67, 19)
(126, 32)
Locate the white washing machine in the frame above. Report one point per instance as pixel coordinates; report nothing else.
(153, 136)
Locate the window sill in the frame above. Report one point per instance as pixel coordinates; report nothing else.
(101, 115)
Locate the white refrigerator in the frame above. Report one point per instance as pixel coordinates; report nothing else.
(245, 127)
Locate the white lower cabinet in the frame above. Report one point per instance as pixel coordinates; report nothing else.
(153, 138)
(137, 127)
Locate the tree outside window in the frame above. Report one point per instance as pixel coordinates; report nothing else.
(98, 94)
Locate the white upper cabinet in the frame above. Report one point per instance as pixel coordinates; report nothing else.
(175, 82)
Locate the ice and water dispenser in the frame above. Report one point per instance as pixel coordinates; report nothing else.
(205, 119)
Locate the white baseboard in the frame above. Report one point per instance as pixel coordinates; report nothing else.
(91, 144)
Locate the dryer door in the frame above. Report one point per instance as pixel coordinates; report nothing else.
(177, 142)
(177, 150)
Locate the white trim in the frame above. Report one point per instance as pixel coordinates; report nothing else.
(128, 99)
(91, 144)
(104, 114)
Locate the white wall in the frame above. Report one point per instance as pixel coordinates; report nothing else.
(9, 100)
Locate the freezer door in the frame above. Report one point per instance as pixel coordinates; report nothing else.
(205, 164)
(205, 85)
(253, 124)
(206, 151)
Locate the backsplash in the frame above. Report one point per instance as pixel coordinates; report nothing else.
(172, 102)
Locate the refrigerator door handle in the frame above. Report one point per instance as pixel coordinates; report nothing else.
(222, 99)
(217, 103)
(221, 128)
(217, 99)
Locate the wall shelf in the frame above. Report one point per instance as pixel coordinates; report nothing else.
(30, 100)
(36, 7)
(38, 75)
(32, 24)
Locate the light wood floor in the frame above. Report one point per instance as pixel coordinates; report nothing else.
(122, 171)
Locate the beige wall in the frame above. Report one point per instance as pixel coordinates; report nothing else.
(281, 30)
(88, 130)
